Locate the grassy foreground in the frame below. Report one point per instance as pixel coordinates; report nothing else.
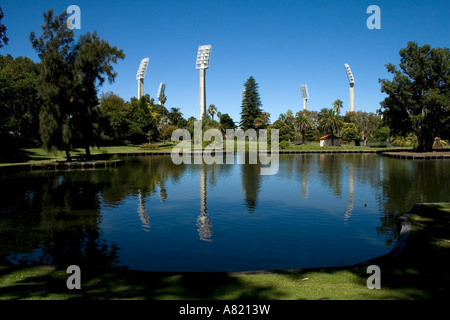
(420, 272)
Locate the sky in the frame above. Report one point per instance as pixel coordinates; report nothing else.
(282, 44)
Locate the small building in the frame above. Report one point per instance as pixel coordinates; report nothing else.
(325, 141)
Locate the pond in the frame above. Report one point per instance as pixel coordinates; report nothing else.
(319, 210)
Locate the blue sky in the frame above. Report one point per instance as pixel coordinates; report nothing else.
(282, 44)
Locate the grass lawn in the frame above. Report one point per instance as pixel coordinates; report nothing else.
(420, 272)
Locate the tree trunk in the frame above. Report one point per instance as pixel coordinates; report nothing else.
(303, 136)
(88, 152)
(69, 158)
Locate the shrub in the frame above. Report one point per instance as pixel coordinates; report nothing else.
(150, 146)
(284, 144)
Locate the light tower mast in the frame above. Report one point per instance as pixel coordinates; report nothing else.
(305, 95)
(351, 79)
(203, 57)
(140, 76)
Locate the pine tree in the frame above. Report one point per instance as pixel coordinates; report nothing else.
(251, 105)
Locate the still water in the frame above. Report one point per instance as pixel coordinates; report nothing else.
(320, 210)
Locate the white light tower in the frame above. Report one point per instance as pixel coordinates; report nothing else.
(351, 79)
(305, 94)
(203, 57)
(161, 90)
(140, 76)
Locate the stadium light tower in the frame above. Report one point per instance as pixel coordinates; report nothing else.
(161, 90)
(351, 79)
(203, 57)
(305, 94)
(140, 76)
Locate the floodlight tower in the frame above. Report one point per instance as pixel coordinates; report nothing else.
(161, 90)
(305, 94)
(203, 57)
(351, 79)
(140, 76)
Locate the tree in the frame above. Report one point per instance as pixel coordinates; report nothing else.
(367, 124)
(226, 122)
(175, 115)
(330, 122)
(349, 132)
(337, 106)
(212, 109)
(302, 122)
(3, 37)
(286, 133)
(418, 98)
(162, 98)
(69, 76)
(19, 104)
(114, 115)
(262, 121)
(251, 104)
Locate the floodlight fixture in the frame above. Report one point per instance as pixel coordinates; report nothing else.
(305, 94)
(140, 76)
(142, 69)
(203, 57)
(351, 79)
(161, 89)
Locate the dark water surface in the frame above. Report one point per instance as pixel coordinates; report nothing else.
(149, 214)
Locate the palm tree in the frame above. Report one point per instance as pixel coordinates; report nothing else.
(337, 106)
(331, 122)
(162, 98)
(302, 122)
(212, 110)
(175, 115)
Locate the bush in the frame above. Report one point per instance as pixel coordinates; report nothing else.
(284, 144)
(149, 146)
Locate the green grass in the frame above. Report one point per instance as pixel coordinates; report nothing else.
(420, 272)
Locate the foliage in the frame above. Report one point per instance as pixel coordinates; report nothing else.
(226, 122)
(302, 122)
(418, 98)
(212, 110)
(149, 146)
(19, 103)
(286, 133)
(69, 74)
(330, 122)
(337, 106)
(3, 37)
(167, 134)
(383, 134)
(284, 144)
(251, 104)
(262, 121)
(349, 132)
(367, 124)
(114, 118)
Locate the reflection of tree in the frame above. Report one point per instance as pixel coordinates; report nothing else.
(251, 180)
(142, 210)
(331, 167)
(61, 223)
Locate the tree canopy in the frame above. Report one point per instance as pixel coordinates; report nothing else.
(251, 104)
(418, 98)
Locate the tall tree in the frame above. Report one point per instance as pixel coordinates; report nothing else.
(3, 38)
(337, 106)
(69, 76)
(330, 122)
(418, 98)
(251, 104)
(302, 123)
(162, 98)
(175, 115)
(212, 109)
(114, 118)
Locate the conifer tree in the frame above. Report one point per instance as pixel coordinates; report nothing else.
(251, 105)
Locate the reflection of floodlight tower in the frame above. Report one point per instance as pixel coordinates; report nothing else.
(161, 90)
(203, 57)
(352, 87)
(305, 94)
(140, 76)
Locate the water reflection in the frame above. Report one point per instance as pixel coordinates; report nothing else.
(63, 218)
